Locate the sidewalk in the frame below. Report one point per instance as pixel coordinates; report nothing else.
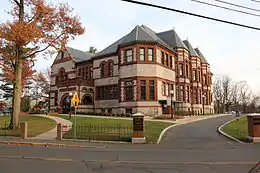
(52, 134)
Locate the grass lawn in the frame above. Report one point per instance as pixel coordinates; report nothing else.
(112, 129)
(36, 125)
(237, 129)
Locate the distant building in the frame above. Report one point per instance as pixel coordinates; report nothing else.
(134, 74)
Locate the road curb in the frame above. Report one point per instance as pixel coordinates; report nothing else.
(47, 145)
(167, 128)
(228, 136)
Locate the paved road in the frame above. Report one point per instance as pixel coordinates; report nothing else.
(199, 135)
(185, 149)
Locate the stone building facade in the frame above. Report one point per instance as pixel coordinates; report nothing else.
(135, 74)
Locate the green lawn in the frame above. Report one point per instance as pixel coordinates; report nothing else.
(237, 129)
(112, 129)
(36, 125)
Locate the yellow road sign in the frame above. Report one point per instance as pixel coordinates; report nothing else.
(75, 100)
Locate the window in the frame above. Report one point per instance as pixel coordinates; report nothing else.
(110, 69)
(188, 94)
(129, 90)
(170, 61)
(87, 73)
(83, 73)
(199, 75)
(181, 93)
(150, 54)
(79, 72)
(187, 69)
(102, 92)
(172, 87)
(129, 55)
(195, 96)
(109, 110)
(56, 99)
(107, 92)
(129, 111)
(181, 69)
(143, 89)
(164, 88)
(113, 92)
(87, 100)
(194, 75)
(142, 54)
(167, 60)
(168, 86)
(162, 58)
(91, 72)
(204, 79)
(151, 90)
(102, 70)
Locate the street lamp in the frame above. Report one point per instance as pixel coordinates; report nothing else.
(70, 97)
(171, 93)
(203, 100)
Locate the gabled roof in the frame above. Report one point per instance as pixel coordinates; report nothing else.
(190, 48)
(203, 59)
(138, 34)
(172, 39)
(78, 55)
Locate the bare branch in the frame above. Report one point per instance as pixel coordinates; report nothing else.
(17, 3)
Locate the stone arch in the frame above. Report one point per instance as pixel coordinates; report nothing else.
(87, 99)
(103, 70)
(110, 68)
(65, 104)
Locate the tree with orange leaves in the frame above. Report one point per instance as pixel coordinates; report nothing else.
(36, 27)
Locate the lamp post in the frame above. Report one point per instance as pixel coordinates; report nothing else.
(70, 97)
(203, 102)
(171, 93)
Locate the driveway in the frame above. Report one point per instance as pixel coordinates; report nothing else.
(198, 135)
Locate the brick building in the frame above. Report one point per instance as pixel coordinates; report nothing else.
(135, 74)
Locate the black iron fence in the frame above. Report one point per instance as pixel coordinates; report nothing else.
(100, 132)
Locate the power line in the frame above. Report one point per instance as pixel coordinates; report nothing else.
(236, 5)
(191, 14)
(226, 8)
(255, 1)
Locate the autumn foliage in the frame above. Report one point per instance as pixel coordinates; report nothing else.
(37, 27)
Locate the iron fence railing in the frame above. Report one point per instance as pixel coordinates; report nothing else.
(100, 132)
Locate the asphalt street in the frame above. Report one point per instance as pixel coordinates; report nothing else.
(194, 147)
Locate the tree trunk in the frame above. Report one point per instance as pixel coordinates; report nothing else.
(17, 93)
(18, 74)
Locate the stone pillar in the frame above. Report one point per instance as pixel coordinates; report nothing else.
(254, 127)
(138, 136)
(24, 129)
(59, 131)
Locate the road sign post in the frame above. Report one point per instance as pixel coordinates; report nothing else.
(75, 101)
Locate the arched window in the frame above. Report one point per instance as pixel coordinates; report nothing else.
(102, 70)
(110, 68)
(87, 100)
(61, 75)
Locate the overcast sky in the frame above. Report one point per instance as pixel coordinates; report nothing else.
(230, 50)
